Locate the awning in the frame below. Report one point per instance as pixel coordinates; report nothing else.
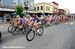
(5, 9)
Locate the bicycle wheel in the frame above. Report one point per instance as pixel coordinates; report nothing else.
(47, 24)
(9, 29)
(15, 30)
(25, 29)
(30, 35)
(41, 30)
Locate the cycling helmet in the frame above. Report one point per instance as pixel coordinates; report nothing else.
(17, 16)
(33, 15)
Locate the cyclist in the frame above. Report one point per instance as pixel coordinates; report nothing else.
(42, 17)
(48, 19)
(16, 20)
(35, 21)
(22, 22)
(19, 21)
(27, 18)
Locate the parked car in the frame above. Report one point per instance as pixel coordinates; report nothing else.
(0, 36)
(1, 19)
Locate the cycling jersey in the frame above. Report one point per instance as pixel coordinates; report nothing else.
(35, 19)
(22, 20)
(16, 20)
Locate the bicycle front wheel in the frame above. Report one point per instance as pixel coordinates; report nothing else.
(9, 29)
(30, 35)
(15, 30)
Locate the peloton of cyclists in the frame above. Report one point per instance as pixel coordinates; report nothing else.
(30, 20)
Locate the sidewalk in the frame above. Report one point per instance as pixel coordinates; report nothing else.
(4, 26)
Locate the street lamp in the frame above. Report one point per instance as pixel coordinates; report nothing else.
(26, 6)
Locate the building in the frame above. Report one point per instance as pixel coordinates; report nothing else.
(55, 6)
(43, 7)
(0, 1)
(67, 11)
(8, 6)
(29, 3)
(7, 2)
(62, 12)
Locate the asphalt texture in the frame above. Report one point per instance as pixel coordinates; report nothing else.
(60, 36)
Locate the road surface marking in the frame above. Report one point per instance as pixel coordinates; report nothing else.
(71, 23)
(13, 47)
(66, 23)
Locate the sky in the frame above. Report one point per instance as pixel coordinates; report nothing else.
(69, 4)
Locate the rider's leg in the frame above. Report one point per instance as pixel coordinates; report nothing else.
(36, 26)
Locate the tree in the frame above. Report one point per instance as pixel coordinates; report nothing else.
(19, 10)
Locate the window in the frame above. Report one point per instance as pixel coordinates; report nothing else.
(34, 8)
(31, 4)
(41, 7)
(7, 2)
(47, 8)
(37, 8)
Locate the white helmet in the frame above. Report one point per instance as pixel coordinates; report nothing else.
(17, 16)
(28, 16)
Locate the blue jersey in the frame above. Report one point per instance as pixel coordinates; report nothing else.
(36, 19)
(22, 20)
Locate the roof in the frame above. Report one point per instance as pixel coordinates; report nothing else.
(55, 3)
(61, 9)
(43, 3)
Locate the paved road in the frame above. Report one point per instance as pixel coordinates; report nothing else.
(60, 36)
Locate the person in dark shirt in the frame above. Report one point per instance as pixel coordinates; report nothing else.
(35, 21)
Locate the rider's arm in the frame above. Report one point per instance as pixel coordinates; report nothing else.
(31, 22)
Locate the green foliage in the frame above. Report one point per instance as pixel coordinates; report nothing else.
(19, 10)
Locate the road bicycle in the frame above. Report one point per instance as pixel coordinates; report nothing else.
(9, 28)
(31, 32)
(15, 29)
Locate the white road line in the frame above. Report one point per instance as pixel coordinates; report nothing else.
(66, 23)
(71, 23)
(13, 47)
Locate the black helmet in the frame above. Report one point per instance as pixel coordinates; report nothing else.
(33, 15)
